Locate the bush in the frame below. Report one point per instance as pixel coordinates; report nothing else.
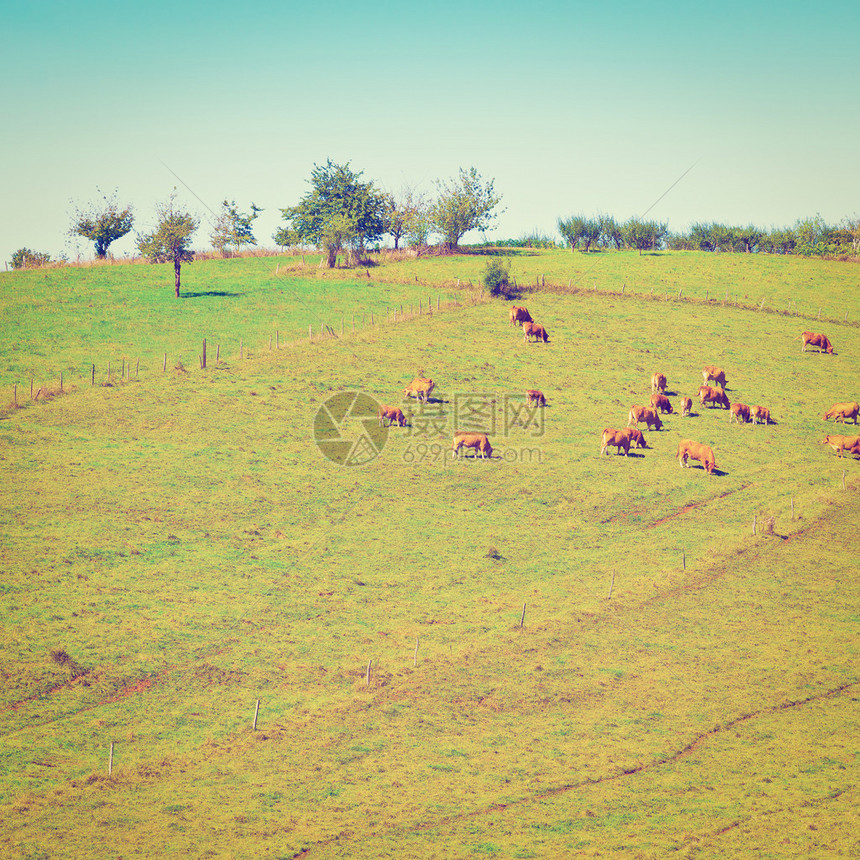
(496, 277)
(24, 258)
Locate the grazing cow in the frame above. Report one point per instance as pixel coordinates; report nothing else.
(520, 315)
(391, 414)
(711, 371)
(420, 388)
(661, 402)
(761, 413)
(477, 441)
(841, 411)
(819, 340)
(619, 438)
(739, 412)
(637, 437)
(851, 444)
(535, 397)
(537, 331)
(686, 406)
(713, 395)
(658, 382)
(687, 448)
(646, 414)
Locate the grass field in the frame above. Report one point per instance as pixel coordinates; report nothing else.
(176, 547)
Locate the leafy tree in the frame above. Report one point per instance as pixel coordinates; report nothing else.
(102, 223)
(233, 227)
(284, 237)
(780, 241)
(610, 232)
(710, 237)
(169, 242)
(339, 212)
(402, 214)
(644, 235)
(24, 258)
(571, 229)
(747, 238)
(496, 277)
(463, 204)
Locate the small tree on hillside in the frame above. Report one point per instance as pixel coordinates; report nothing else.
(24, 258)
(644, 235)
(102, 223)
(233, 227)
(464, 204)
(402, 213)
(578, 229)
(169, 242)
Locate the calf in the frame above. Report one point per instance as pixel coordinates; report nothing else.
(646, 414)
(520, 315)
(739, 412)
(686, 407)
(535, 397)
(761, 413)
(532, 329)
(658, 382)
(711, 371)
(841, 411)
(420, 388)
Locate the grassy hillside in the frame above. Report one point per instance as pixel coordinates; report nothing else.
(176, 547)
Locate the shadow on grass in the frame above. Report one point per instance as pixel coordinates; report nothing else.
(213, 294)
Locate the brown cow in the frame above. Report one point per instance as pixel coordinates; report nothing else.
(761, 412)
(687, 448)
(686, 406)
(420, 387)
(661, 402)
(841, 411)
(819, 340)
(713, 395)
(520, 315)
(637, 437)
(646, 414)
(537, 331)
(739, 412)
(391, 414)
(477, 441)
(711, 371)
(851, 444)
(619, 438)
(535, 397)
(658, 382)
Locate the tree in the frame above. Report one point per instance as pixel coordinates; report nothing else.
(748, 237)
(644, 235)
(610, 232)
(24, 258)
(102, 223)
(578, 229)
(403, 214)
(169, 242)
(463, 204)
(339, 212)
(233, 227)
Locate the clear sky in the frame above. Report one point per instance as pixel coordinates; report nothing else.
(570, 107)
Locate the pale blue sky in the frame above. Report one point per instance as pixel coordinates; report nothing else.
(570, 107)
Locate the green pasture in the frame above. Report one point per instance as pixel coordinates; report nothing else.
(548, 654)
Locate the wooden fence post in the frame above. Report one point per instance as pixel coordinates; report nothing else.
(203, 363)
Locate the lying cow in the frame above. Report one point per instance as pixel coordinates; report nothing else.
(841, 411)
(686, 407)
(420, 388)
(535, 397)
(819, 340)
(713, 395)
(661, 402)
(391, 414)
(477, 441)
(711, 371)
(761, 413)
(739, 412)
(620, 439)
(658, 382)
(687, 448)
(532, 329)
(646, 414)
(520, 315)
(851, 444)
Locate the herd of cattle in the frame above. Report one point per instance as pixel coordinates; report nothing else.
(629, 436)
